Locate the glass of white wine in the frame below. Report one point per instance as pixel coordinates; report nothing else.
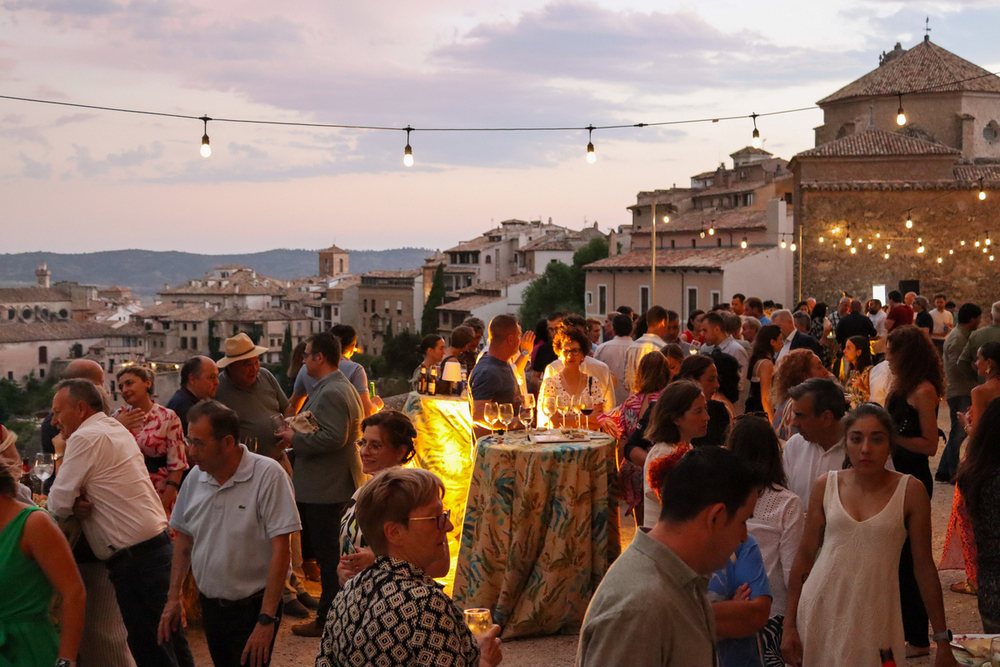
(549, 409)
(491, 413)
(578, 409)
(563, 404)
(479, 621)
(525, 415)
(43, 466)
(506, 416)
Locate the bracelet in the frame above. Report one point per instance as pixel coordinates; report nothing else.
(173, 484)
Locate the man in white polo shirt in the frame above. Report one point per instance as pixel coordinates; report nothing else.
(234, 516)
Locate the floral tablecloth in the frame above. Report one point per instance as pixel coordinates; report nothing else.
(541, 529)
(445, 446)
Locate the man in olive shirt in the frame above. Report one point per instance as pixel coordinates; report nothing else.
(327, 468)
(651, 608)
(962, 379)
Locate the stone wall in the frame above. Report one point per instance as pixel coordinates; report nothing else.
(942, 218)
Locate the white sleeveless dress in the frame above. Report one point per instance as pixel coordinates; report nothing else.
(849, 608)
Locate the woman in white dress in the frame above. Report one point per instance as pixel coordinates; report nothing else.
(572, 345)
(843, 606)
(777, 521)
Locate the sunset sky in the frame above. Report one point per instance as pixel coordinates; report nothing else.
(74, 180)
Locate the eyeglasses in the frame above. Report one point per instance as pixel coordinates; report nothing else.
(575, 352)
(442, 519)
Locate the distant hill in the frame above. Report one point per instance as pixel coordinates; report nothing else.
(146, 271)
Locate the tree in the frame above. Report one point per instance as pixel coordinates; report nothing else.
(561, 287)
(401, 354)
(214, 343)
(429, 320)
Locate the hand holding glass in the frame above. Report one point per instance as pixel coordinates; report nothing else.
(479, 621)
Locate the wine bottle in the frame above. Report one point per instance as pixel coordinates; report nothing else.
(432, 382)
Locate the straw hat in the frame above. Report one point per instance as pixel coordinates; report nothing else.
(240, 347)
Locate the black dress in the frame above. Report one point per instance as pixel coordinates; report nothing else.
(907, 420)
(718, 426)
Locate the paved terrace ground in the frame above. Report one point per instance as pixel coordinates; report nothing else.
(560, 651)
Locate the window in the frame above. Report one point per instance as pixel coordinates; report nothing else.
(336, 311)
(184, 342)
(602, 299)
(194, 327)
(194, 342)
(716, 296)
(365, 302)
(643, 298)
(10, 375)
(720, 241)
(43, 355)
(489, 260)
(590, 298)
(185, 326)
(673, 243)
(41, 372)
(692, 301)
(166, 325)
(991, 132)
(341, 265)
(399, 307)
(387, 306)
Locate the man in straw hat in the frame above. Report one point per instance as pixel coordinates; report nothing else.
(255, 396)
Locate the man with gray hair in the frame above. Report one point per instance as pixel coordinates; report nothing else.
(843, 307)
(793, 336)
(978, 338)
(104, 483)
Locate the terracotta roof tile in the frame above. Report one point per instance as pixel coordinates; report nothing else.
(690, 258)
(41, 331)
(926, 65)
(693, 221)
(468, 303)
(878, 143)
(35, 294)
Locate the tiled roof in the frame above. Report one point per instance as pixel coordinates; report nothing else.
(498, 285)
(750, 150)
(468, 303)
(253, 315)
(926, 65)
(884, 186)
(333, 248)
(241, 281)
(690, 258)
(477, 243)
(878, 143)
(25, 333)
(128, 330)
(32, 294)
(973, 172)
(412, 273)
(737, 218)
(171, 311)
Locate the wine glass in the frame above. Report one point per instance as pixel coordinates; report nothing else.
(491, 413)
(506, 415)
(995, 650)
(587, 407)
(43, 466)
(479, 621)
(529, 400)
(577, 400)
(277, 423)
(564, 404)
(524, 414)
(549, 408)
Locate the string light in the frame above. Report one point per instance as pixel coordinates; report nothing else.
(962, 242)
(711, 230)
(991, 258)
(987, 237)
(854, 251)
(821, 239)
(886, 255)
(206, 150)
(793, 247)
(756, 141)
(909, 219)
(878, 235)
(977, 243)
(939, 260)
(591, 156)
(783, 244)
(847, 241)
(900, 116)
(921, 248)
(951, 252)
(982, 192)
(666, 219)
(888, 246)
(408, 152)
(743, 244)
(869, 246)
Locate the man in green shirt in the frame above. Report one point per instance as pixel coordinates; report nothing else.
(651, 608)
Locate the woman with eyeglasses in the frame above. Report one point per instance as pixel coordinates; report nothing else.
(386, 442)
(572, 345)
(394, 609)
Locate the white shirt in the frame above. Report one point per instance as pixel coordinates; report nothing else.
(733, 348)
(785, 347)
(878, 383)
(233, 524)
(612, 353)
(633, 355)
(941, 319)
(806, 461)
(777, 524)
(103, 460)
(878, 320)
(598, 369)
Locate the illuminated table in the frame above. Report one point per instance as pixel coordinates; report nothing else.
(445, 446)
(541, 529)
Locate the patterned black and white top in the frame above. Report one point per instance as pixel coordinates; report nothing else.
(394, 615)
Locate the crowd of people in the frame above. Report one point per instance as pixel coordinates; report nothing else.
(765, 452)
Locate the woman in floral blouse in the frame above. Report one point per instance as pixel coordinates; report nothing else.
(157, 430)
(572, 345)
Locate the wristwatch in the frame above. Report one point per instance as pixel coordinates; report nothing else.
(941, 636)
(264, 619)
(64, 662)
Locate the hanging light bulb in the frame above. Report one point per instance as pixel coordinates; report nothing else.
(711, 230)
(982, 192)
(666, 218)
(408, 152)
(821, 239)
(869, 246)
(848, 241)
(886, 255)
(985, 250)
(888, 246)
(939, 260)
(854, 251)
(987, 241)
(951, 251)
(878, 235)
(743, 243)
(962, 243)
(921, 248)
(900, 116)
(909, 220)
(206, 149)
(793, 247)
(783, 244)
(991, 258)
(977, 244)
(702, 233)
(756, 141)
(591, 156)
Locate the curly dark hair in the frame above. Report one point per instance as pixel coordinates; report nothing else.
(571, 334)
(762, 346)
(979, 467)
(913, 359)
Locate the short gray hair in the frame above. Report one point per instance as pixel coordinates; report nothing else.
(83, 391)
(995, 312)
(780, 314)
(752, 322)
(802, 317)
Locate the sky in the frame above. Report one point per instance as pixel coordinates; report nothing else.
(79, 180)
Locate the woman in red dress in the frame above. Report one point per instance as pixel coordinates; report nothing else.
(157, 430)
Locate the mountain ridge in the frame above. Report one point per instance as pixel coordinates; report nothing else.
(146, 272)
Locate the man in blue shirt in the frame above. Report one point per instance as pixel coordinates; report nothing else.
(493, 377)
